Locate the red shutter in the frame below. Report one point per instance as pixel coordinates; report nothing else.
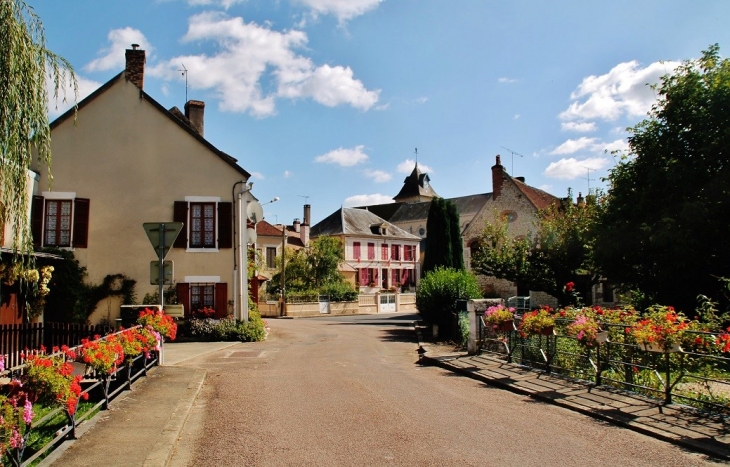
(371, 251)
(180, 214)
(36, 215)
(183, 297)
(356, 250)
(81, 223)
(225, 225)
(221, 300)
(384, 252)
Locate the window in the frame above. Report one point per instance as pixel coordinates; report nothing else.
(271, 257)
(208, 223)
(61, 220)
(202, 295)
(395, 253)
(409, 252)
(356, 250)
(371, 251)
(384, 252)
(395, 279)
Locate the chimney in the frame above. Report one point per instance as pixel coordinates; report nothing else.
(497, 178)
(580, 200)
(305, 224)
(521, 179)
(297, 226)
(195, 112)
(134, 70)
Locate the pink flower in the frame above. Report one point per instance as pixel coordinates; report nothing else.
(28, 412)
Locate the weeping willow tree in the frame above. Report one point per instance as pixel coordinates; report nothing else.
(27, 67)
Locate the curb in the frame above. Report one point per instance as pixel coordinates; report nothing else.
(646, 430)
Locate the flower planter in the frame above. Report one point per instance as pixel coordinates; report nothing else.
(548, 331)
(602, 337)
(657, 348)
(505, 326)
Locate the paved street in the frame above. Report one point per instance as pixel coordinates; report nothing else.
(348, 391)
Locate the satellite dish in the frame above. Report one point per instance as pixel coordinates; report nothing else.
(254, 212)
(251, 235)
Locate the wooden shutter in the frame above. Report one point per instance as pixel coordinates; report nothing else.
(221, 300)
(183, 298)
(180, 214)
(81, 223)
(225, 225)
(371, 251)
(36, 223)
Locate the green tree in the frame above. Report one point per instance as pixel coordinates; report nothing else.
(444, 244)
(439, 290)
(25, 62)
(312, 268)
(663, 231)
(558, 252)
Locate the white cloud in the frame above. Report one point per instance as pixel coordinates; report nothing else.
(580, 127)
(112, 57)
(618, 145)
(287, 174)
(421, 100)
(621, 91)
(378, 176)
(344, 10)
(516, 117)
(571, 168)
(507, 80)
(257, 175)
(249, 56)
(365, 200)
(344, 157)
(407, 166)
(65, 100)
(574, 145)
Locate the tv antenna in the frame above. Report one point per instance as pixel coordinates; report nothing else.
(306, 198)
(588, 176)
(416, 153)
(185, 74)
(514, 153)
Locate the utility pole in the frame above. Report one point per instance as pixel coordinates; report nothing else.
(283, 270)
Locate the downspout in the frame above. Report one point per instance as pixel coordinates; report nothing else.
(235, 243)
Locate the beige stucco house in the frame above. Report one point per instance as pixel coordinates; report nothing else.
(127, 160)
(382, 255)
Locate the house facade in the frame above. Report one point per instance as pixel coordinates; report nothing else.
(125, 161)
(382, 255)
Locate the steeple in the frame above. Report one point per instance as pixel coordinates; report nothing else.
(416, 187)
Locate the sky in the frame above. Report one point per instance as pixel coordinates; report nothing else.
(331, 102)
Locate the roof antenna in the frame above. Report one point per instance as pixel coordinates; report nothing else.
(513, 158)
(306, 198)
(185, 74)
(416, 152)
(588, 177)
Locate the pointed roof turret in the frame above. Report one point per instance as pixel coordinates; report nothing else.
(416, 188)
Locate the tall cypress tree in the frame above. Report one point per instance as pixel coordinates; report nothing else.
(455, 242)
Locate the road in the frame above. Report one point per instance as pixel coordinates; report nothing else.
(348, 391)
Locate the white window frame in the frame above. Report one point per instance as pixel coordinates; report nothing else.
(58, 196)
(202, 199)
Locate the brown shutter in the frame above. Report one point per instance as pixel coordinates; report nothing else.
(36, 223)
(221, 300)
(180, 214)
(183, 298)
(81, 223)
(225, 225)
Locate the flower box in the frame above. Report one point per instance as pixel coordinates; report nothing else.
(505, 326)
(547, 331)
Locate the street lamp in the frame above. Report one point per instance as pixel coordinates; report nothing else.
(240, 306)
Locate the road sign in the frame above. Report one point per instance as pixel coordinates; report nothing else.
(167, 273)
(162, 235)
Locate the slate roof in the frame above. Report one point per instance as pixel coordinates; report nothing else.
(413, 185)
(357, 222)
(183, 123)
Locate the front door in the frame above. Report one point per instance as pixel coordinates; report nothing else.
(387, 303)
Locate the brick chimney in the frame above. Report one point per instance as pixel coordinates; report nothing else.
(195, 112)
(497, 178)
(134, 70)
(297, 226)
(305, 224)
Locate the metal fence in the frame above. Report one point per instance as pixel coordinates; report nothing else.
(15, 338)
(691, 376)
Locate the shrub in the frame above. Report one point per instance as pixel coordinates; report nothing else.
(440, 289)
(254, 330)
(339, 292)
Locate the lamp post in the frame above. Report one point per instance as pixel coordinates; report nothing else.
(241, 306)
(283, 271)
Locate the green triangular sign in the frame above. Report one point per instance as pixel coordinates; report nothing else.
(162, 235)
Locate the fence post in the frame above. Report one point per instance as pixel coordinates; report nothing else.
(471, 345)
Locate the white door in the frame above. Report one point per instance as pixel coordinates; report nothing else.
(387, 303)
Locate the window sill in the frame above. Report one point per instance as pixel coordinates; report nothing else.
(202, 250)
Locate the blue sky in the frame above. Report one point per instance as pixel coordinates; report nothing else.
(326, 100)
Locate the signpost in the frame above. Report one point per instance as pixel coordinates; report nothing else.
(162, 235)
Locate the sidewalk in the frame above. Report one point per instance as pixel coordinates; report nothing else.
(677, 424)
(142, 425)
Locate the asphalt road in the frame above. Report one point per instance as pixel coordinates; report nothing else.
(348, 391)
